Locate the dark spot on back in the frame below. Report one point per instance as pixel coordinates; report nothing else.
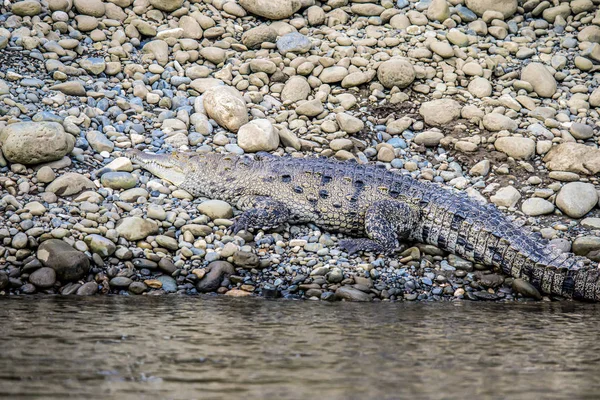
(326, 179)
(323, 193)
(298, 189)
(286, 178)
(358, 183)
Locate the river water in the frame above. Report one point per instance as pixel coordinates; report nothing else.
(221, 348)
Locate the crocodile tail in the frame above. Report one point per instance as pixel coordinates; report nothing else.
(567, 276)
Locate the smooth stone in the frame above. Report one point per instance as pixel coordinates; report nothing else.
(440, 112)
(516, 147)
(506, 197)
(68, 263)
(537, 206)
(576, 199)
(35, 142)
(226, 106)
(294, 42)
(573, 157)
(396, 72)
(540, 78)
(216, 271)
(69, 184)
(43, 278)
(215, 209)
(118, 180)
(136, 228)
(258, 135)
(352, 294)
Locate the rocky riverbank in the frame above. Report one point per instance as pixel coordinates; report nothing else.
(496, 98)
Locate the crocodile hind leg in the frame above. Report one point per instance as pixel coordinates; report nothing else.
(261, 213)
(386, 222)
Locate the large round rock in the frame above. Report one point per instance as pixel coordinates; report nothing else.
(226, 106)
(35, 142)
(68, 263)
(577, 199)
(166, 5)
(216, 272)
(398, 72)
(279, 9)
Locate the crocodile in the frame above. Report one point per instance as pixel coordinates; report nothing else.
(377, 208)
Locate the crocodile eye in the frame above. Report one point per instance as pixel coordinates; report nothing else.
(298, 189)
(286, 178)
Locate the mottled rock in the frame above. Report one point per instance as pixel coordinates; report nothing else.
(396, 72)
(258, 135)
(573, 157)
(226, 106)
(440, 112)
(69, 184)
(35, 142)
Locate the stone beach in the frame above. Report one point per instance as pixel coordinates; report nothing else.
(499, 99)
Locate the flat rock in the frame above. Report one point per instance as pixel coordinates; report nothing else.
(69, 184)
(517, 147)
(166, 5)
(136, 228)
(573, 157)
(351, 294)
(506, 7)
(499, 122)
(35, 142)
(294, 42)
(71, 88)
(215, 209)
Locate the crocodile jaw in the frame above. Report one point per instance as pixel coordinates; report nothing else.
(167, 167)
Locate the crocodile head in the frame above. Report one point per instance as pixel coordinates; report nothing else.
(170, 167)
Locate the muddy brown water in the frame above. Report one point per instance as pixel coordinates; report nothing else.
(221, 348)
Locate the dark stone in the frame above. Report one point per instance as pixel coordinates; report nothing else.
(88, 289)
(43, 278)
(70, 288)
(138, 287)
(491, 280)
(349, 293)
(120, 282)
(216, 272)
(141, 263)
(270, 292)
(168, 284)
(167, 266)
(526, 289)
(28, 288)
(68, 263)
(3, 280)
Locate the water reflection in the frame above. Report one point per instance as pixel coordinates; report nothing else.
(182, 347)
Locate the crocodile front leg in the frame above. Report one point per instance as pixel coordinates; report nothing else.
(385, 223)
(261, 213)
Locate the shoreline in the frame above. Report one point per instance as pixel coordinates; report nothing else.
(502, 104)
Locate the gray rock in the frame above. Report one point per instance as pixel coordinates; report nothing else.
(100, 245)
(69, 184)
(258, 135)
(43, 278)
(573, 157)
(68, 263)
(351, 294)
(118, 180)
(440, 112)
(516, 147)
(293, 42)
(226, 106)
(537, 206)
(506, 197)
(169, 284)
(99, 141)
(88, 289)
(396, 72)
(120, 282)
(136, 228)
(526, 289)
(35, 142)
(577, 199)
(498, 122)
(540, 78)
(279, 9)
